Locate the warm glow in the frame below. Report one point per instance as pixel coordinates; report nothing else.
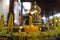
(21, 27)
(40, 28)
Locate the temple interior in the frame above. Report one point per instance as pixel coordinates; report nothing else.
(29, 19)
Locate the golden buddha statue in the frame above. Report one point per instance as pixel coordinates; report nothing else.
(35, 11)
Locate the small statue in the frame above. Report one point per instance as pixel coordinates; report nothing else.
(35, 11)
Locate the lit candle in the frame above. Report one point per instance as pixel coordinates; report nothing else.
(55, 21)
(10, 23)
(30, 21)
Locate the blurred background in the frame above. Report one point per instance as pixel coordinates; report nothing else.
(49, 8)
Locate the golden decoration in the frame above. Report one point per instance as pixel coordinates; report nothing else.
(10, 23)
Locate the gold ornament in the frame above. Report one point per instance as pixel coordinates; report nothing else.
(10, 23)
(36, 14)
